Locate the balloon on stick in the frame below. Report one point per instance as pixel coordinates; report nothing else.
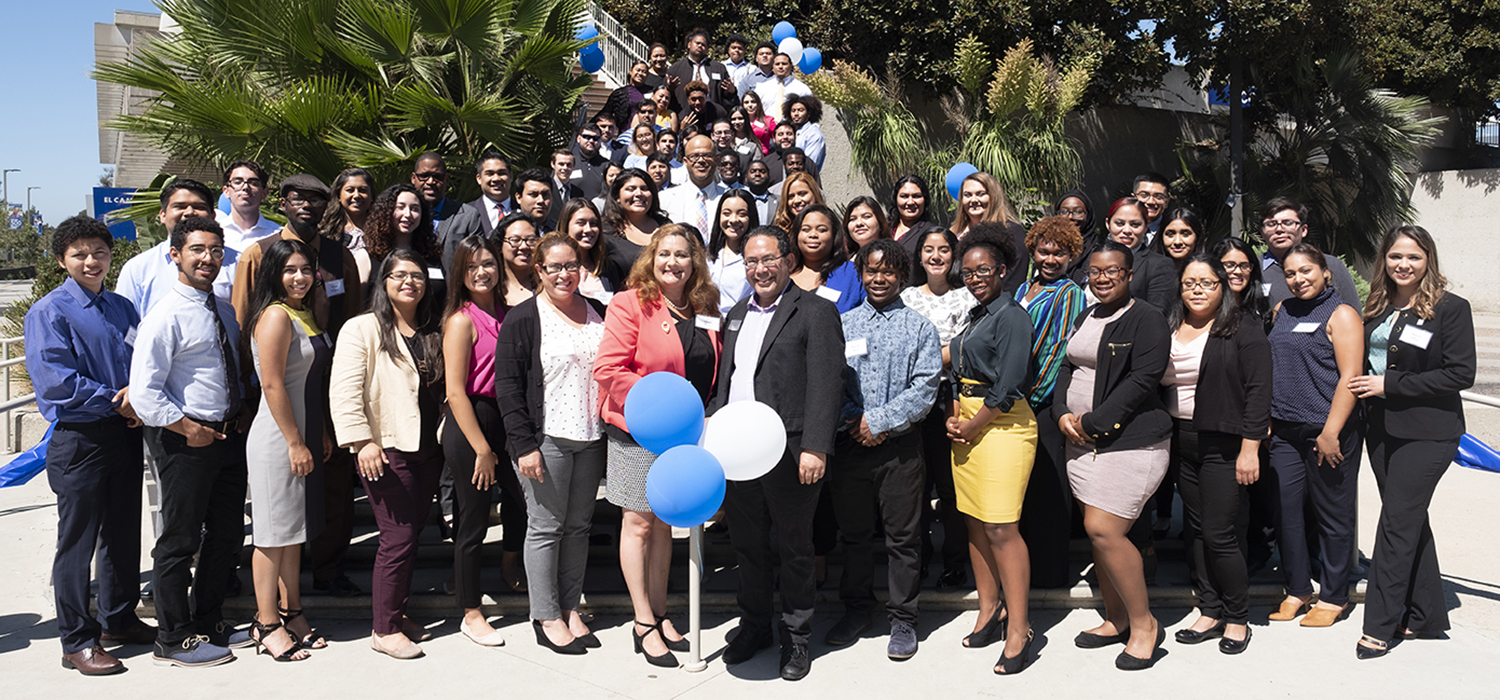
(792, 47)
(747, 437)
(662, 411)
(685, 486)
(812, 60)
(591, 61)
(782, 31)
(586, 32)
(955, 177)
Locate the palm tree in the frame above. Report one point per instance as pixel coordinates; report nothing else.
(320, 85)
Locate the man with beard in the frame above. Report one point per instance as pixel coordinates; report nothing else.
(430, 177)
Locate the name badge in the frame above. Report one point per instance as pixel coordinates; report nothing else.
(708, 323)
(434, 273)
(735, 325)
(130, 337)
(334, 287)
(1265, 288)
(829, 294)
(859, 347)
(1307, 327)
(577, 173)
(1412, 335)
(716, 76)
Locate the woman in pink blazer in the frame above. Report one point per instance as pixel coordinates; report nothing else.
(666, 321)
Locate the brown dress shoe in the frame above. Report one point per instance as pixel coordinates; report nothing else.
(1325, 617)
(138, 633)
(1289, 611)
(93, 661)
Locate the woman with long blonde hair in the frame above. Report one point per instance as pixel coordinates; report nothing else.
(981, 200)
(799, 191)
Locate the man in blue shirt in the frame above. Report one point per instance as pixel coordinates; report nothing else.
(185, 389)
(894, 362)
(78, 341)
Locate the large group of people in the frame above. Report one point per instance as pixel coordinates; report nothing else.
(435, 350)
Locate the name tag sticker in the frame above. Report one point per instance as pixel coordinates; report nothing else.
(735, 325)
(716, 76)
(708, 323)
(577, 173)
(1265, 288)
(334, 287)
(859, 347)
(1420, 337)
(130, 337)
(1308, 327)
(829, 294)
(434, 273)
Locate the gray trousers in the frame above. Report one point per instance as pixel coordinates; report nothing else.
(559, 510)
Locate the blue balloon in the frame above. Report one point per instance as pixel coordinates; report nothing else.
(662, 411)
(782, 30)
(812, 60)
(685, 486)
(586, 32)
(224, 204)
(591, 61)
(1475, 454)
(955, 178)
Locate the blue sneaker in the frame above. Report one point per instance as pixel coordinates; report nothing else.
(225, 635)
(903, 644)
(193, 652)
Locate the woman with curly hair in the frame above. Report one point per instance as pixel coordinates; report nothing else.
(400, 220)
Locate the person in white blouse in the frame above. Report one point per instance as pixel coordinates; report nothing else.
(735, 215)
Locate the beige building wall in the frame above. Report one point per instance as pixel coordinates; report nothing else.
(1461, 209)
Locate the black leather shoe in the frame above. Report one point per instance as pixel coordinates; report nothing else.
(340, 587)
(952, 579)
(137, 633)
(1370, 648)
(745, 646)
(1191, 636)
(847, 629)
(795, 662)
(1235, 646)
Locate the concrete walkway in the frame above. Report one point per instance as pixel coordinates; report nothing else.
(1284, 660)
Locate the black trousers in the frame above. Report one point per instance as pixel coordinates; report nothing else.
(1047, 512)
(203, 514)
(471, 512)
(891, 474)
(1331, 492)
(776, 502)
(1406, 588)
(95, 470)
(1217, 511)
(937, 461)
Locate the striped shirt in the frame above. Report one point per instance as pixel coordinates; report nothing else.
(1052, 312)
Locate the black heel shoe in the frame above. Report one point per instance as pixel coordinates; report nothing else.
(1126, 662)
(572, 648)
(666, 660)
(682, 645)
(1011, 665)
(313, 640)
(992, 631)
(258, 636)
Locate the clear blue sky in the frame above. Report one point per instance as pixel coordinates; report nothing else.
(50, 127)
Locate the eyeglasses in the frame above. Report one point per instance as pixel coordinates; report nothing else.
(206, 251)
(1238, 267)
(298, 199)
(1205, 285)
(986, 271)
(559, 268)
(698, 158)
(1070, 213)
(757, 263)
(588, 137)
(1280, 223)
(417, 277)
(519, 242)
(1152, 196)
(1109, 273)
(253, 183)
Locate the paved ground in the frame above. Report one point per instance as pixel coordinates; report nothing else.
(12, 291)
(1283, 661)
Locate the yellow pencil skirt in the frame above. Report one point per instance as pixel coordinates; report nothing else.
(990, 475)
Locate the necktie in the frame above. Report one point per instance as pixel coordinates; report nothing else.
(494, 213)
(702, 214)
(231, 385)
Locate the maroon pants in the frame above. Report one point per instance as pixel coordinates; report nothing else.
(402, 501)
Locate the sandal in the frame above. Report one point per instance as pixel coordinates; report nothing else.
(258, 635)
(312, 640)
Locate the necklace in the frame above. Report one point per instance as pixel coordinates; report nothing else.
(682, 310)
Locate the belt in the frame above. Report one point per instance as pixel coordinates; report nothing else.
(225, 427)
(973, 390)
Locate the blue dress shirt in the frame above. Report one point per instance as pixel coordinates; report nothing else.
(148, 277)
(177, 369)
(845, 280)
(894, 366)
(78, 352)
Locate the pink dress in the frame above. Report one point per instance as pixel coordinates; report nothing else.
(481, 381)
(764, 128)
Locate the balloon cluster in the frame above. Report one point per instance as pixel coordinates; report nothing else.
(807, 58)
(685, 486)
(591, 57)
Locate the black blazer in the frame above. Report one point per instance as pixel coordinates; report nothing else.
(573, 191)
(683, 71)
(1234, 383)
(800, 372)
(518, 376)
(1133, 355)
(1422, 383)
(471, 219)
(1154, 280)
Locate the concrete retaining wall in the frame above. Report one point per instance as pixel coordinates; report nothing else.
(1461, 208)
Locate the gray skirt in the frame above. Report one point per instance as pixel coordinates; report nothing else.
(625, 481)
(1118, 483)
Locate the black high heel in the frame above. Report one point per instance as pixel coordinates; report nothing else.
(682, 645)
(666, 660)
(571, 648)
(313, 640)
(992, 631)
(1011, 665)
(258, 636)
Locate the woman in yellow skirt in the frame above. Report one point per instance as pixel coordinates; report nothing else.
(994, 442)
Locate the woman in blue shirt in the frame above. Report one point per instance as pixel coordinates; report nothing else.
(821, 253)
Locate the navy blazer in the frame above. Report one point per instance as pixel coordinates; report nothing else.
(1422, 379)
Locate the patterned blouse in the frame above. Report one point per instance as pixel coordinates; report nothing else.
(949, 312)
(1052, 312)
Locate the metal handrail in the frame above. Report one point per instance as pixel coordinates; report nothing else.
(1480, 398)
(7, 404)
(621, 48)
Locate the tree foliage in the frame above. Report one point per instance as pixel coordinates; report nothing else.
(319, 85)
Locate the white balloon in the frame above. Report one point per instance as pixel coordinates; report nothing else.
(792, 47)
(747, 437)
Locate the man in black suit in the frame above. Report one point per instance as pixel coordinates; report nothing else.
(430, 176)
(492, 172)
(589, 158)
(532, 195)
(696, 65)
(783, 347)
(564, 179)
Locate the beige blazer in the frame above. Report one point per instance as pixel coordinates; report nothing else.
(372, 397)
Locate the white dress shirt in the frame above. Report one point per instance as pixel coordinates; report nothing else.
(773, 91)
(237, 238)
(687, 204)
(747, 347)
(728, 273)
(150, 275)
(177, 369)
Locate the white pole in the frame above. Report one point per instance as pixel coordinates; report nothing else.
(695, 662)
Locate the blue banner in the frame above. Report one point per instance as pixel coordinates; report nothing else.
(108, 199)
(16, 217)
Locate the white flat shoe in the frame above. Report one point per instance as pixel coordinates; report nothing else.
(410, 651)
(493, 639)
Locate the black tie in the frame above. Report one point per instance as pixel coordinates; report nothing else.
(231, 385)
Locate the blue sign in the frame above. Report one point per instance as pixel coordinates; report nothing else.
(108, 199)
(36, 222)
(16, 217)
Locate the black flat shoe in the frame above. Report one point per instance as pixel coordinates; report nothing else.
(1089, 640)
(1191, 636)
(992, 631)
(1235, 646)
(1126, 662)
(572, 648)
(952, 579)
(1370, 648)
(1011, 665)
